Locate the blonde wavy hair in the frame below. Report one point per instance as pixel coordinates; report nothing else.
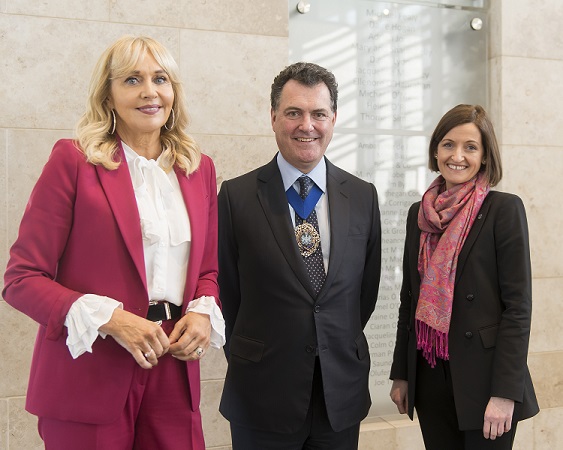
(94, 127)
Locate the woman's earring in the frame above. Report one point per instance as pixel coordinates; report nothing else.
(172, 124)
(114, 122)
(436, 155)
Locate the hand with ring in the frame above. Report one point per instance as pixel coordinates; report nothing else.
(190, 337)
(144, 339)
(151, 357)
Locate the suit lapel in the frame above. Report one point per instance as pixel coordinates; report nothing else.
(196, 201)
(414, 247)
(472, 236)
(121, 198)
(339, 210)
(273, 201)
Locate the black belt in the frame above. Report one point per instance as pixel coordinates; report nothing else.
(160, 311)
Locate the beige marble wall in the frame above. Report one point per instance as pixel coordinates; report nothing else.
(526, 61)
(229, 51)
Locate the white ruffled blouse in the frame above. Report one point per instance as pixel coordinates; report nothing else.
(165, 227)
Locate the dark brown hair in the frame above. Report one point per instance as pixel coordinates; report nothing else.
(308, 74)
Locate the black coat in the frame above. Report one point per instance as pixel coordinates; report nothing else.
(491, 315)
(274, 320)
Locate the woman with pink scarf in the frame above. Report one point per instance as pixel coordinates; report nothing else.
(466, 299)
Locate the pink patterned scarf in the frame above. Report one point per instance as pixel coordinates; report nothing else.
(445, 219)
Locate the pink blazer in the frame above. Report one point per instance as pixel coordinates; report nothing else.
(81, 233)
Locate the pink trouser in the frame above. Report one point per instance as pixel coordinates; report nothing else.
(157, 415)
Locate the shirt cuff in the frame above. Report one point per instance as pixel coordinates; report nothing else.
(207, 305)
(84, 317)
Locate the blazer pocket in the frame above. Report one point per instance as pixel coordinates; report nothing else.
(246, 348)
(358, 230)
(362, 347)
(489, 335)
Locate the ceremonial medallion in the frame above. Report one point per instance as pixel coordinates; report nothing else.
(308, 239)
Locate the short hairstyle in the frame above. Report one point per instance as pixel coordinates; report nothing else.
(460, 115)
(308, 74)
(94, 128)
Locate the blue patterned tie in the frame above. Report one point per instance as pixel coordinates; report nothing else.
(314, 262)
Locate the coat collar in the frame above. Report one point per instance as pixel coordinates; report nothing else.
(272, 198)
(119, 191)
(472, 235)
(339, 210)
(273, 201)
(469, 241)
(196, 199)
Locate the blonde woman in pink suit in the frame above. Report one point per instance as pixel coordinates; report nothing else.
(116, 259)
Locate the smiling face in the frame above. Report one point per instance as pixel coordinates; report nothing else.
(142, 100)
(303, 123)
(460, 154)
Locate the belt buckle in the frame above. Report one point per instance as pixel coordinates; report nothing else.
(166, 310)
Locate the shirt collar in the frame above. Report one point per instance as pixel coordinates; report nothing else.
(290, 174)
(131, 155)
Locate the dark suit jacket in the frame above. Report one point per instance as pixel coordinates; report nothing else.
(492, 307)
(80, 234)
(275, 322)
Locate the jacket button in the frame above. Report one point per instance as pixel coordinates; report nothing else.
(309, 349)
(470, 297)
(469, 335)
(317, 308)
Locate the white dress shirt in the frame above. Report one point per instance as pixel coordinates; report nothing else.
(165, 228)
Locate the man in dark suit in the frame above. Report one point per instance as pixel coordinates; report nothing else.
(300, 262)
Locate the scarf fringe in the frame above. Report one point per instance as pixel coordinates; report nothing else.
(432, 343)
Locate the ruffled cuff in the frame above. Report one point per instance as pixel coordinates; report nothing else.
(207, 305)
(85, 316)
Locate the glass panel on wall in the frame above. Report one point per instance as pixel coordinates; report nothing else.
(400, 66)
(449, 3)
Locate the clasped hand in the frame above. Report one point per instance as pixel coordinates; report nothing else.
(147, 341)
